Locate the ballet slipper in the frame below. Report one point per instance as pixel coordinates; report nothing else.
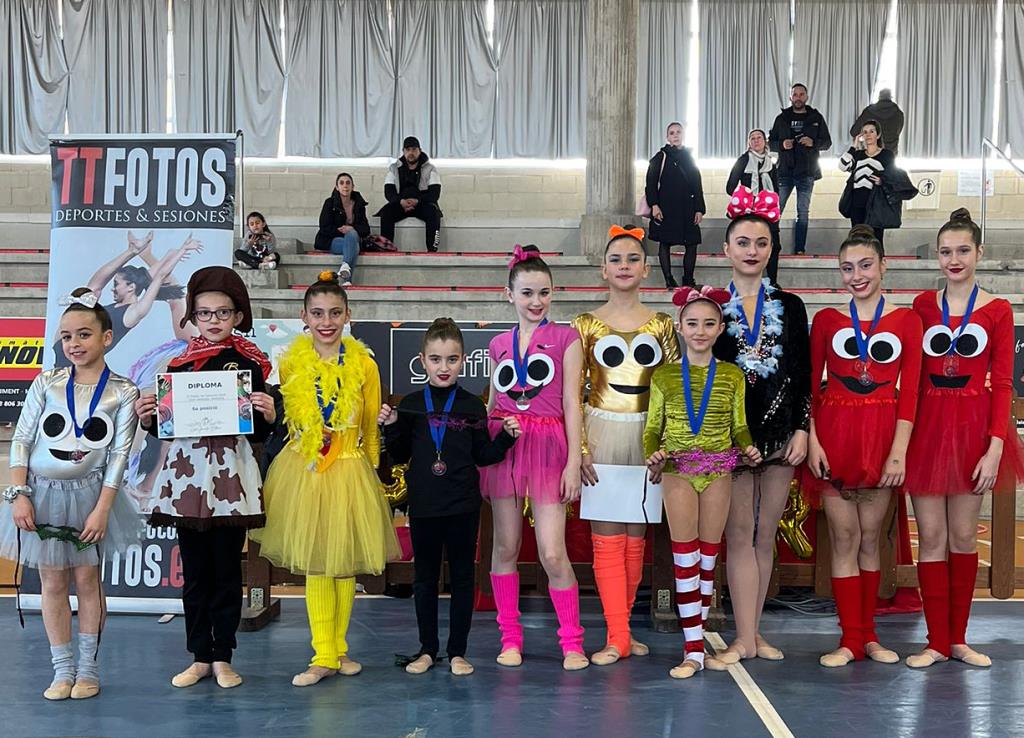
(510, 657)
(685, 670)
(58, 690)
(767, 651)
(840, 657)
(460, 667)
(606, 656)
(722, 661)
(84, 689)
(348, 667)
(420, 665)
(636, 648)
(193, 674)
(879, 653)
(925, 659)
(312, 675)
(574, 661)
(227, 678)
(963, 652)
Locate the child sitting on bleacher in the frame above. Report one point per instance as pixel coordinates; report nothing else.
(259, 250)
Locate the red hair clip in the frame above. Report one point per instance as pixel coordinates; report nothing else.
(616, 230)
(687, 295)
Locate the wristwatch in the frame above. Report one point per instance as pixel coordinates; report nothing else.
(11, 492)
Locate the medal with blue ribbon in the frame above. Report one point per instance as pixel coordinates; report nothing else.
(750, 334)
(696, 416)
(951, 362)
(437, 430)
(522, 364)
(327, 408)
(78, 454)
(862, 367)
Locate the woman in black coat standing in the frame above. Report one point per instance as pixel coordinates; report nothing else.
(676, 197)
(343, 225)
(756, 171)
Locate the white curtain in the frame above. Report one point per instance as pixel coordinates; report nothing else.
(117, 54)
(837, 47)
(663, 69)
(945, 74)
(229, 70)
(1013, 74)
(744, 70)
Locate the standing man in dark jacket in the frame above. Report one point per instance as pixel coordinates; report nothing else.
(889, 117)
(412, 189)
(798, 134)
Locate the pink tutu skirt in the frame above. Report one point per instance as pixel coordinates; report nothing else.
(533, 467)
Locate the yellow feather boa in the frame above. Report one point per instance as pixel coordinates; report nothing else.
(301, 367)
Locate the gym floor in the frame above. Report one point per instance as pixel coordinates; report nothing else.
(795, 697)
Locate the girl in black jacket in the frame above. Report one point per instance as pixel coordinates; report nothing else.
(343, 225)
(676, 197)
(756, 170)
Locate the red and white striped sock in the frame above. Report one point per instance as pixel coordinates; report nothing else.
(686, 557)
(708, 558)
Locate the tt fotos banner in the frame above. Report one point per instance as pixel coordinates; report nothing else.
(21, 359)
(133, 217)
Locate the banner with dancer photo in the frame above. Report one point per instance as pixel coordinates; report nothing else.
(133, 217)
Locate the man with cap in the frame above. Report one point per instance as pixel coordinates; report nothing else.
(412, 188)
(889, 117)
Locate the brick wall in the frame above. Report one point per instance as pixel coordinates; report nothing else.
(294, 194)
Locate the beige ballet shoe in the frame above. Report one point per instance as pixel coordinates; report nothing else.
(59, 690)
(879, 653)
(348, 667)
(312, 675)
(420, 665)
(963, 652)
(685, 670)
(636, 648)
(191, 675)
(574, 661)
(925, 659)
(84, 689)
(767, 651)
(722, 661)
(838, 658)
(606, 656)
(510, 657)
(460, 667)
(226, 677)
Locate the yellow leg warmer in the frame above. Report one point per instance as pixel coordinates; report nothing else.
(345, 594)
(322, 607)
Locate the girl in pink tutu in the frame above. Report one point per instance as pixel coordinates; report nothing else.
(535, 378)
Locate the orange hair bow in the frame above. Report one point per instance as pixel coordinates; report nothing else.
(616, 230)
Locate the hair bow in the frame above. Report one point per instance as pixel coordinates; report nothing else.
(327, 276)
(519, 254)
(616, 230)
(764, 205)
(687, 295)
(88, 299)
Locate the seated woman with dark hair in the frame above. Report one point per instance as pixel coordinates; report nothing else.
(343, 225)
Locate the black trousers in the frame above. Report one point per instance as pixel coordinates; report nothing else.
(689, 263)
(456, 535)
(858, 215)
(211, 565)
(428, 212)
(772, 268)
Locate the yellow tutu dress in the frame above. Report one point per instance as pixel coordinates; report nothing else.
(326, 512)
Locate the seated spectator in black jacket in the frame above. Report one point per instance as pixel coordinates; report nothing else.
(756, 171)
(343, 225)
(412, 188)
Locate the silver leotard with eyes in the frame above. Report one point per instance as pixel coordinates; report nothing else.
(44, 439)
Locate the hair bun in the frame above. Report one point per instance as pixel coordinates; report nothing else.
(861, 231)
(961, 215)
(327, 276)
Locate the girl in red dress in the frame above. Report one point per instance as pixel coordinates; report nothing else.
(964, 444)
(860, 428)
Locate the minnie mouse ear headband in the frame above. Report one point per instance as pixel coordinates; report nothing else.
(686, 296)
(87, 299)
(764, 205)
(519, 254)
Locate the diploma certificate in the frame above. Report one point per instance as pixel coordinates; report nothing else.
(195, 404)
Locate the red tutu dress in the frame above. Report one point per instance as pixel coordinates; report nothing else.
(855, 414)
(958, 411)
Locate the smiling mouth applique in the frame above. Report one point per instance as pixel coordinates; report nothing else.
(853, 384)
(943, 382)
(60, 455)
(628, 389)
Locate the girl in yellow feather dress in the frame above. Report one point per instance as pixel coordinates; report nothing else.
(326, 515)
